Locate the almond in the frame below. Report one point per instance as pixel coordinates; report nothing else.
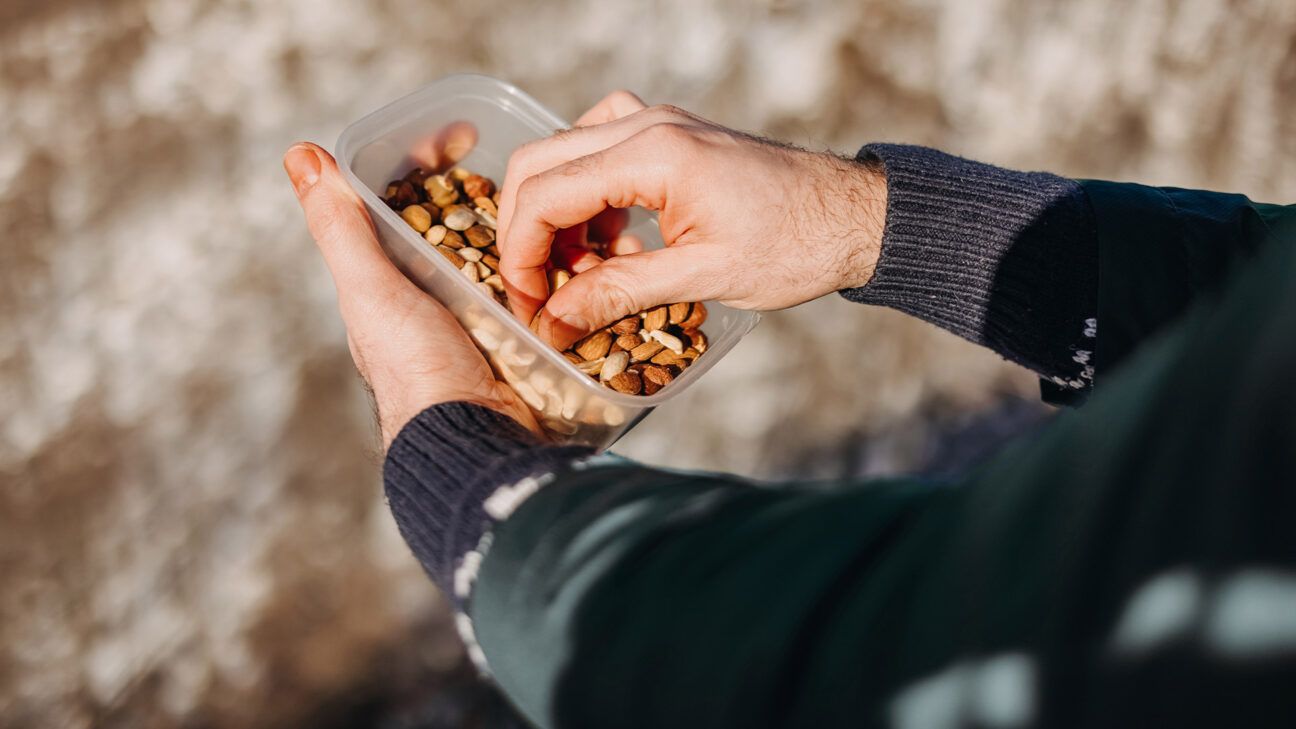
(479, 236)
(613, 365)
(486, 204)
(452, 239)
(475, 186)
(628, 325)
(657, 374)
(450, 256)
(655, 319)
(470, 270)
(491, 261)
(697, 339)
(435, 234)
(695, 318)
(418, 218)
(645, 351)
(668, 340)
(649, 387)
(628, 341)
(595, 345)
(458, 217)
(678, 312)
(669, 359)
(627, 382)
(470, 254)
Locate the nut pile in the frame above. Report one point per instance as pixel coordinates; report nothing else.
(455, 212)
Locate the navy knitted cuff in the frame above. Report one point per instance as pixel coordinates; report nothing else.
(1006, 259)
(443, 466)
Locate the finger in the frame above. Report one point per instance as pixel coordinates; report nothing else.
(613, 106)
(625, 245)
(624, 285)
(447, 146)
(340, 226)
(631, 173)
(566, 145)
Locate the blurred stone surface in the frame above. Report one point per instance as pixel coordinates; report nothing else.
(191, 528)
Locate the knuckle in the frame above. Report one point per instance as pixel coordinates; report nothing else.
(669, 111)
(667, 133)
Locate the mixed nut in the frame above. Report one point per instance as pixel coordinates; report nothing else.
(455, 213)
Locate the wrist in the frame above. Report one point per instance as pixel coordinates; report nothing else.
(855, 201)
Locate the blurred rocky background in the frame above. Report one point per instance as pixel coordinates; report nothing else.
(191, 526)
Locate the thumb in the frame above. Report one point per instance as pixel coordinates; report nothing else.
(340, 226)
(625, 285)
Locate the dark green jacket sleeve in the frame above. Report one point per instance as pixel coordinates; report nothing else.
(1161, 249)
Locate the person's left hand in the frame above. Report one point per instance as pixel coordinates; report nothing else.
(407, 347)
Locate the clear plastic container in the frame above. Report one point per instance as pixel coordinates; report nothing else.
(570, 404)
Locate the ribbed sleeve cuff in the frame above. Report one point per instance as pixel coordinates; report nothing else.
(1003, 258)
(444, 465)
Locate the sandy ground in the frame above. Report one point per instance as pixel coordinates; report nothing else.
(191, 529)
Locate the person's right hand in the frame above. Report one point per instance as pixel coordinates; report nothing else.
(746, 221)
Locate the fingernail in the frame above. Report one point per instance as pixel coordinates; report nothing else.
(303, 168)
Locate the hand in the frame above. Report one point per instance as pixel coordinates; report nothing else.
(407, 347)
(752, 223)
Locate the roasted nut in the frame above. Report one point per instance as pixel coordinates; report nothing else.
(691, 354)
(645, 351)
(416, 176)
(440, 191)
(418, 218)
(458, 217)
(667, 358)
(668, 340)
(436, 234)
(433, 210)
(627, 382)
(573, 357)
(458, 173)
(450, 256)
(470, 270)
(678, 312)
(613, 365)
(649, 387)
(483, 270)
(697, 339)
(487, 218)
(487, 205)
(401, 194)
(628, 341)
(453, 239)
(557, 277)
(491, 261)
(479, 236)
(628, 325)
(655, 318)
(470, 254)
(476, 186)
(495, 282)
(595, 345)
(658, 374)
(696, 317)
